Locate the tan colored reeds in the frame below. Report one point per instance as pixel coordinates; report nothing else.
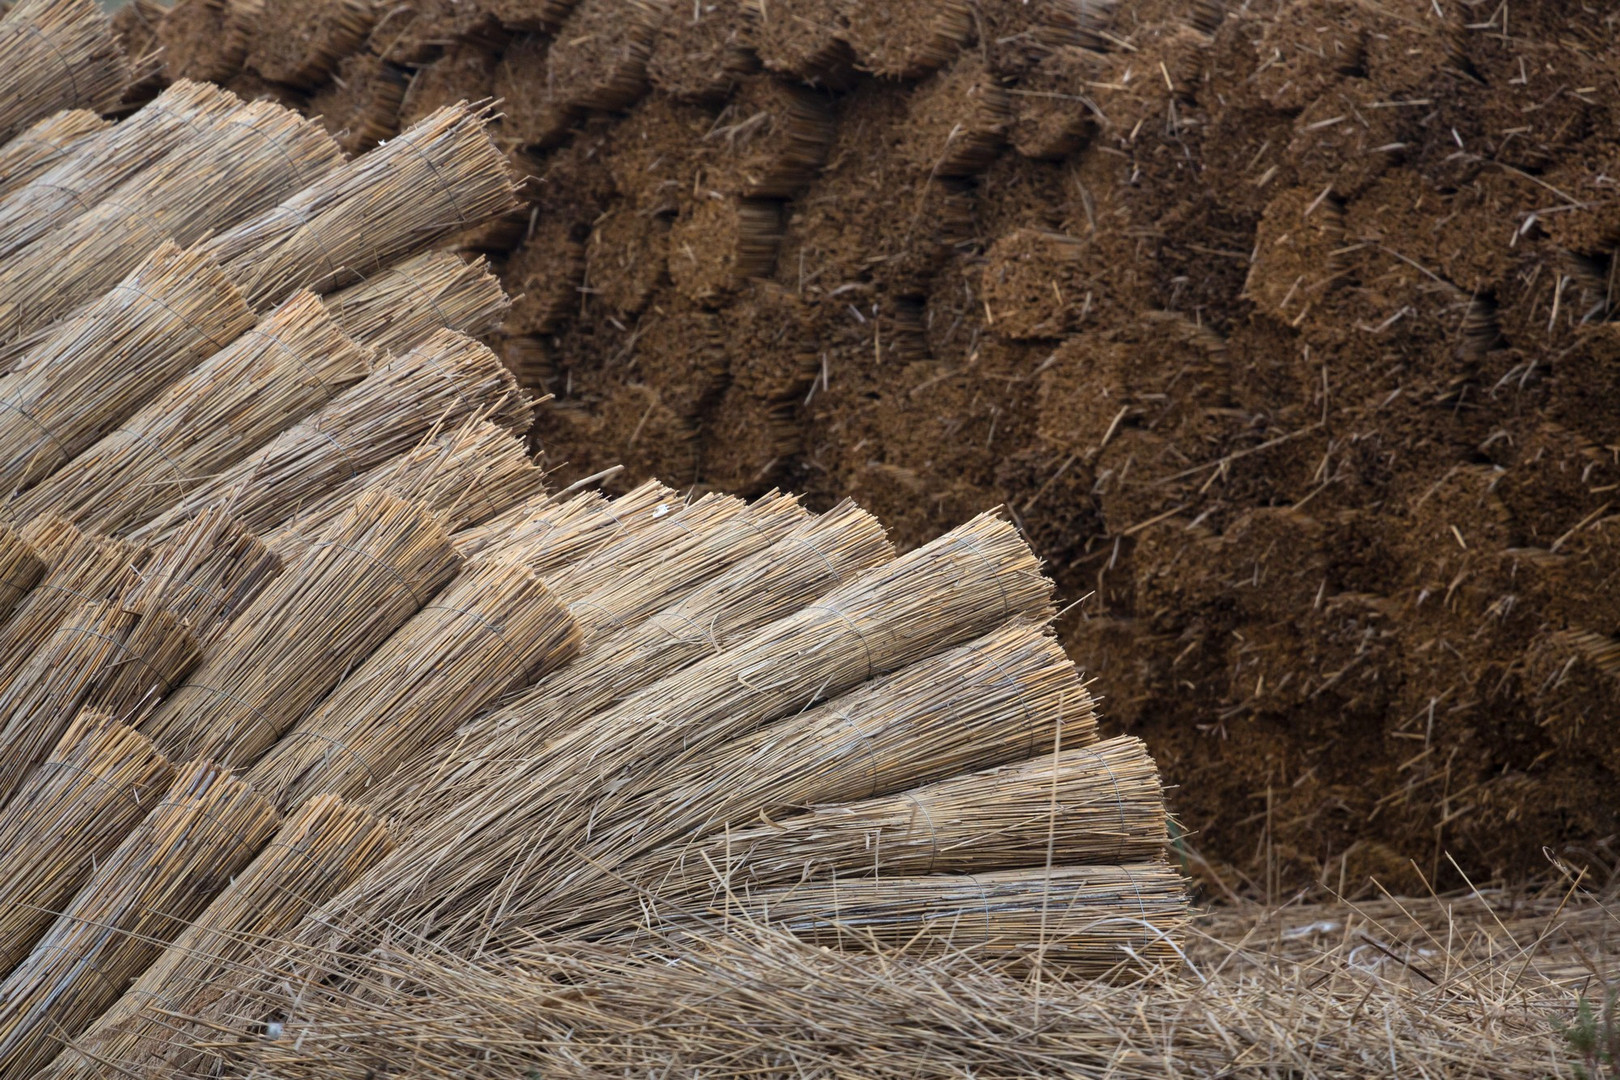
(69, 815)
(396, 309)
(206, 828)
(546, 534)
(206, 573)
(443, 382)
(98, 164)
(207, 39)
(1099, 804)
(318, 850)
(375, 568)
(57, 54)
(440, 176)
(243, 163)
(1089, 921)
(21, 569)
(466, 476)
(103, 657)
(43, 145)
(96, 369)
(494, 629)
(293, 362)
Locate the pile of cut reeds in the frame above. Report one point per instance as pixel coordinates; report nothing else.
(275, 543)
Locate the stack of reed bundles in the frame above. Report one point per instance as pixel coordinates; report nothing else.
(21, 569)
(205, 574)
(43, 145)
(318, 850)
(57, 54)
(547, 534)
(396, 309)
(204, 831)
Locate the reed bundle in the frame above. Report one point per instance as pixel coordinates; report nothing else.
(21, 569)
(318, 850)
(99, 367)
(43, 145)
(443, 382)
(293, 362)
(519, 819)
(599, 58)
(905, 40)
(958, 121)
(720, 243)
(99, 163)
(701, 52)
(396, 309)
(68, 816)
(243, 163)
(772, 140)
(80, 569)
(466, 476)
(1099, 804)
(363, 579)
(206, 573)
(57, 54)
(207, 39)
(97, 659)
(205, 830)
(1091, 921)
(438, 177)
(547, 534)
(495, 629)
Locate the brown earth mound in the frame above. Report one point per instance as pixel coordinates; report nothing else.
(1286, 333)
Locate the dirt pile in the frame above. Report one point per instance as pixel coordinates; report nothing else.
(1287, 332)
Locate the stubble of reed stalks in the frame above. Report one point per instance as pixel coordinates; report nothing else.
(442, 383)
(97, 659)
(442, 175)
(546, 534)
(99, 163)
(396, 309)
(300, 43)
(294, 361)
(494, 629)
(206, 829)
(243, 163)
(771, 139)
(701, 52)
(467, 476)
(57, 54)
(21, 569)
(599, 58)
(1097, 804)
(366, 576)
(205, 574)
(318, 850)
(207, 39)
(44, 144)
(98, 368)
(900, 40)
(68, 816)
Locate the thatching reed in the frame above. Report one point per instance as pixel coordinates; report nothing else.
(206, 573)
(599, 58)
(57, 54)
(546, 534)
(99, 163)
(207, 39)
(300, 43)
(446, 381)
(68, 816)
(701, 52)
(21, 569)
(104, 657)
(97, 368)
(1089, 921)
(293, 362)
(904, 39)
(771, 140)
(396, 309)
(494, 629)
(466, 476)
(442, 175)
(43, 145)
(204, 831)
(243, 163)
(375, 568)
(318, 850)
(1098, 804)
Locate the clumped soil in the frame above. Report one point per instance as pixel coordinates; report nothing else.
(1286, 333)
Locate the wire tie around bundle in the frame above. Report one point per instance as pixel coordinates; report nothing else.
(1012, 683)
(933, 830)
(12, 406)
(1119, 800)
(295, 176)
(488, 624)
(705, 636)
(304, 733)
(291, 354)
(179, 473)
(871, 751)
(126, 651)
(369, 557)
(446, 189)
(427, 295)
(166, 306)
(354, 470)
(832, 571)
(72, 193)
(984, 898)
(257, 714)
(59, 765)
(67, 67)
(614, 620)
(974, 545)
(866, 646)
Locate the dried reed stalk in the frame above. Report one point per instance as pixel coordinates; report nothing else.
(598, 60)
(43, 145)
(57, 54)
(466, 476)
(21, 569)
(1090, 921)
(104, 657)
(98, 368)
(443, 382)
(207, 39)
(98, 164)
(300, 43)
(69, 815)
(206, 573)
(901, 40)
(318, 850)
(396, 309)
(243, 163)
(701, 52)
(1100, 804)
(375, 568)
(205, 830)
(547, 534)
(440, 176)
(773, 138)
(275, 374)
(494, 629)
